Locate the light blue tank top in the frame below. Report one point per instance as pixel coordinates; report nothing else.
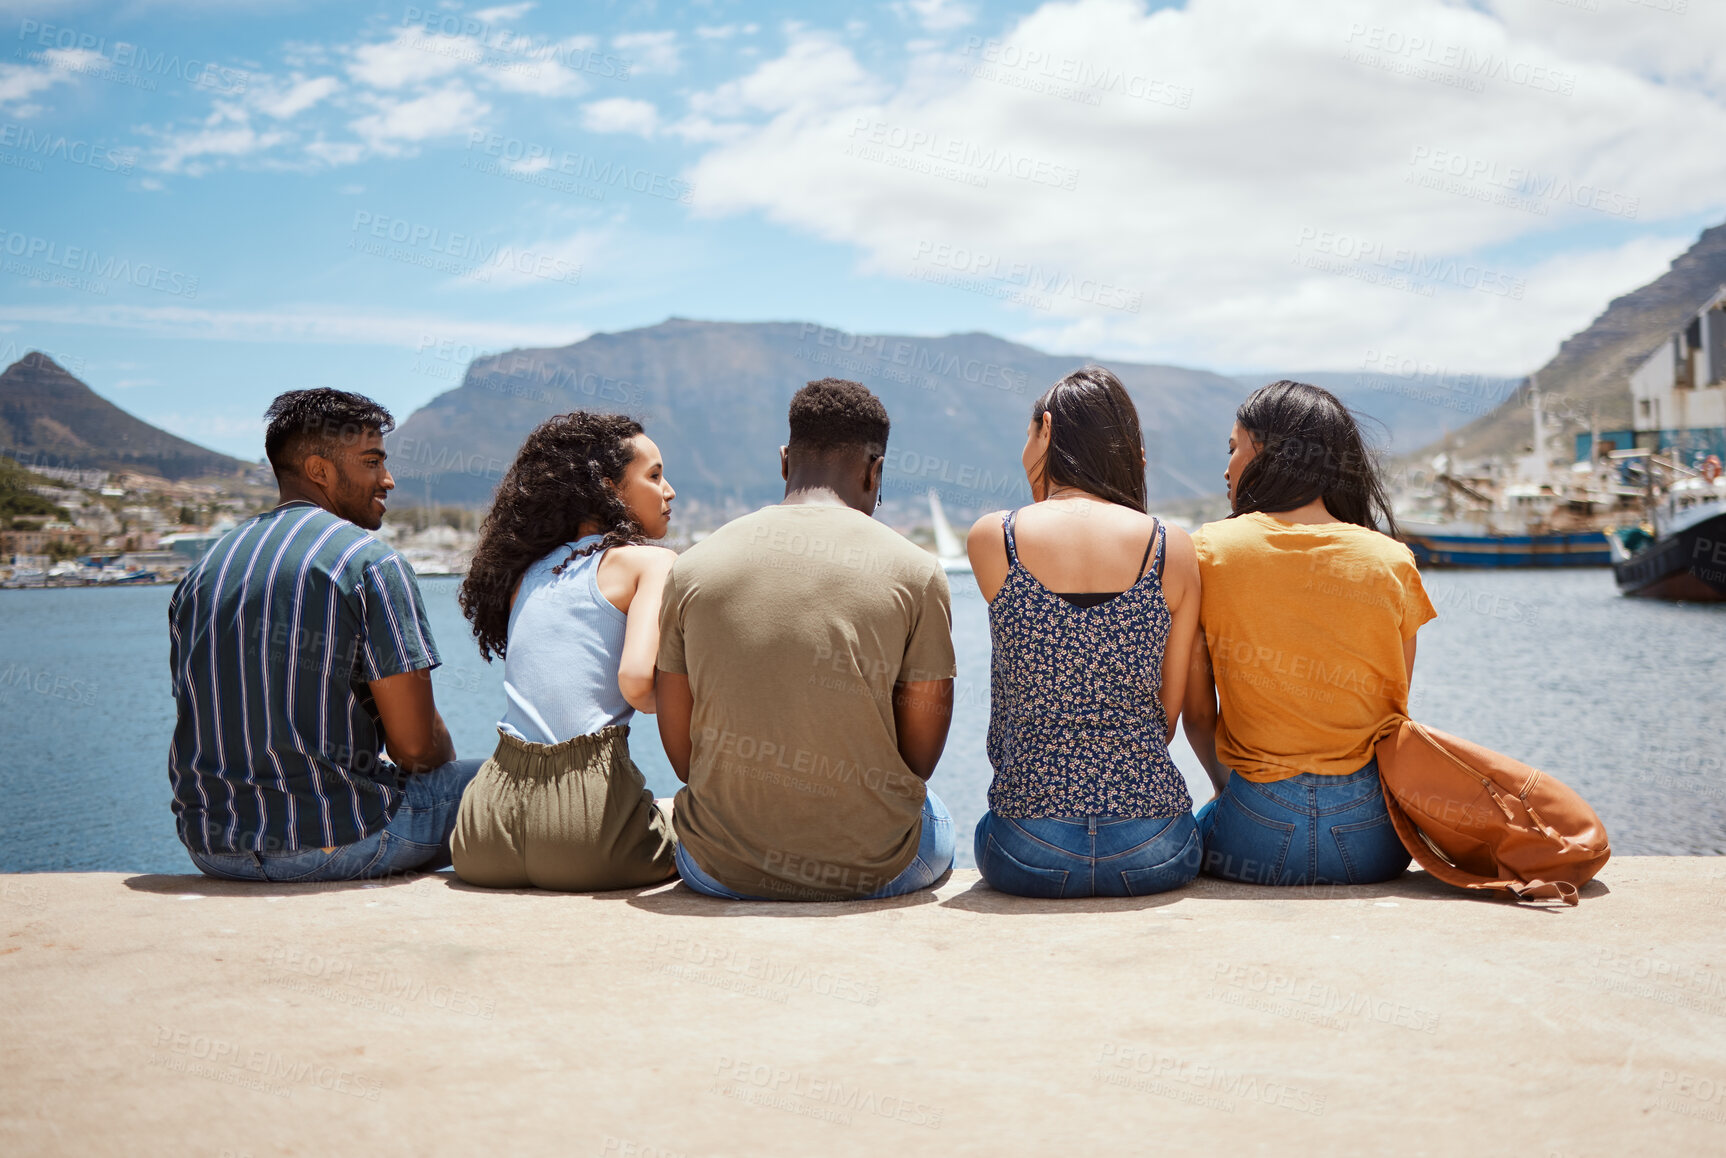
(565, 644)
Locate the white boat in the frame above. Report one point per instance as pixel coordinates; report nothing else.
(948, 549)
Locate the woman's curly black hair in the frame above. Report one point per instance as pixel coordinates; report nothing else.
(557, 482)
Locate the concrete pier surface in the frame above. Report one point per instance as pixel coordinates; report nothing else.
(182, 1015)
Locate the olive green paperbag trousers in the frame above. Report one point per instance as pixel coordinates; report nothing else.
(575, 816)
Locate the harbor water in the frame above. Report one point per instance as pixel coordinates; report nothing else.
(1623, 699)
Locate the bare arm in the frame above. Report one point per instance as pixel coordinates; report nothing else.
(1199, 715)
(676, 709)
(1181, 588)
(414, 733)
(641, 637)
(922, 713)
(987, 547)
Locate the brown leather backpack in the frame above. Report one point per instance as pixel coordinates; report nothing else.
(1478, 819)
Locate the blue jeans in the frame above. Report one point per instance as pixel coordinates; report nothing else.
(1087, 856)
(417, 837)
(1306, 830)
(934, 858)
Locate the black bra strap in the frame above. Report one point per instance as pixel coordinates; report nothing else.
(1155, 540)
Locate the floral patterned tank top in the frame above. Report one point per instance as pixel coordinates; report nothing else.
(1076, 722)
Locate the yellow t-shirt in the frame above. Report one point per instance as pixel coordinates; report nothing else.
(1305, 625)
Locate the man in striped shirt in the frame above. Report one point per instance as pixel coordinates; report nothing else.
(300, 655)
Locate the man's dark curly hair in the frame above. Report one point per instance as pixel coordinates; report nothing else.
(556, 483)
(834, 414)
(317, 421)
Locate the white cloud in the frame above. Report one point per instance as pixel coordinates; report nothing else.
(337, 327)
(620, 115)
(447, 112)
(815, 75)
(725, 31)
(412, 56)
(1202, 163)
(225, 134)
(938, 15)
(20, 82)
(504, 12)
(301, 94)
(649, 52)
(549, 264)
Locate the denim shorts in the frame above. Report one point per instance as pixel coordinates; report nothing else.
(1058, 857)
(934, 858)
(416, 838)
(1306, 830)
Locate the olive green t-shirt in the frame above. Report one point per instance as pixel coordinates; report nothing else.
(793, 624)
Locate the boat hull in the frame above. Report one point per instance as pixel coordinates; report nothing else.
(1689, 565)
(1437, 549)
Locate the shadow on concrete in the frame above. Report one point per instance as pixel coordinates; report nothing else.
(1411, 886)
(674, 898)
(683, 901)
(198, 885)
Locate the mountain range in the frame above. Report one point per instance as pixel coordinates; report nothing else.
(713, 395)
(49, 418)
(1590, 374)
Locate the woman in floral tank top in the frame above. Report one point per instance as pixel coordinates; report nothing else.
(1093, 612)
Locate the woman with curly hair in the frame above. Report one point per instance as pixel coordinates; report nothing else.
(564, 587)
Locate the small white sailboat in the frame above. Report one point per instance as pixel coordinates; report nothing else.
(948, 549)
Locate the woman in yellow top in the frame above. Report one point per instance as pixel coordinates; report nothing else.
(1309, 617)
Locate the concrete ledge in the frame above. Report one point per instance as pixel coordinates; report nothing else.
(166, 1014)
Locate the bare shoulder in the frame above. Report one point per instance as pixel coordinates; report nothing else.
(1179, 545)
(987, 525)
(641, 559)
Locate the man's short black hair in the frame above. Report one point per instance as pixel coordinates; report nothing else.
(834, 414)
(317, 421)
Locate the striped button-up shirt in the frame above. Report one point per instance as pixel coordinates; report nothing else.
(276, 634)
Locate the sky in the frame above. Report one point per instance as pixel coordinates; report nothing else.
(205, 203)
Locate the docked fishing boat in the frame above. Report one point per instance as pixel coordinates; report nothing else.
(1526, 513)
(1680, 551)
(1676, 549)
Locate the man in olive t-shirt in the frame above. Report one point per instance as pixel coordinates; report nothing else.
(806, 681)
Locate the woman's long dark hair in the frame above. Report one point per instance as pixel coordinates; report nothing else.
(556, 483)
(1310, 447)
(1094, 441)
